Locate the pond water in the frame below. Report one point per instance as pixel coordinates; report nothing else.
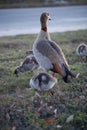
(26, 20)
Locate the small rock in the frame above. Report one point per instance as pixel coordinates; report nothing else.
(82, 97)
(69, 119)
(8, 116)
(59, 126)
(55, 112)
(77, 76)
(13, 128)
(20, 96)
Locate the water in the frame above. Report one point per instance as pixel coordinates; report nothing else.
(26, 21)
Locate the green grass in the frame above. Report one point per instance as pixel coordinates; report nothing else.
(19, 104)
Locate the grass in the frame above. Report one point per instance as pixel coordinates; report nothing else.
(19, 104)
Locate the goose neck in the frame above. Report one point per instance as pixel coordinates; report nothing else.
(44, 27)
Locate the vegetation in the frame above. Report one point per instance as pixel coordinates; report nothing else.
(38, 3)
(20, 106)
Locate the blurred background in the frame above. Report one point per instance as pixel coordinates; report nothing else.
(38, 3)
(22, 16)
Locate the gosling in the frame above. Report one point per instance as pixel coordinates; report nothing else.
(81, 51)
(42, 81)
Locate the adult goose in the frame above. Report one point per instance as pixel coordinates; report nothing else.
(42, 81)
(44, 32)
(29, 64)
(81, 51)
(48, 54)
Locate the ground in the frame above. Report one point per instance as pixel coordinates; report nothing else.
(23, 108)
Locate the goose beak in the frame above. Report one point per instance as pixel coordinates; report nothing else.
(49, 17)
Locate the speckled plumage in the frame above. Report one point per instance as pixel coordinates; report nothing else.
(81, 51)
(42, 81)
(29, 64)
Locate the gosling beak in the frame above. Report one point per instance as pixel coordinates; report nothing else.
(16, 73)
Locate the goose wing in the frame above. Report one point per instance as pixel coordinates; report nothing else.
(54, 53)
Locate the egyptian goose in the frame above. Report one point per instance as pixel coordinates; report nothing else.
(43, 81)
(81, 51)
(29, 64)
(43, 32)
(48, 54)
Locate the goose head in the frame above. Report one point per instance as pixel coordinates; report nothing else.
(43, 19)
(43, 81)
(18, 70)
